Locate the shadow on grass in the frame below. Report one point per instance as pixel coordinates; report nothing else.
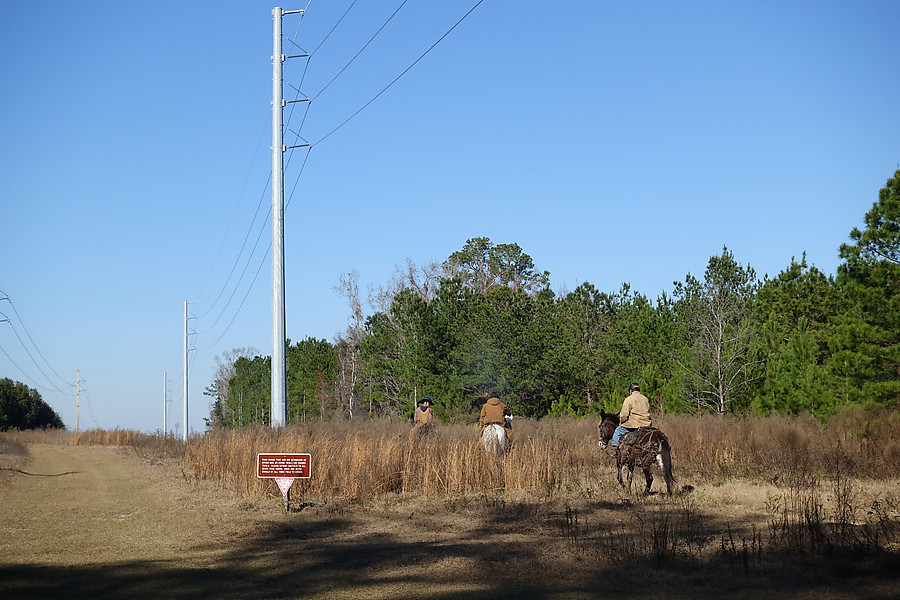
(327, 557)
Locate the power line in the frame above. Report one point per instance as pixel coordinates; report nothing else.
(355, 56)
(405, 71)
(22, 322)
(250, 287)
(20, 368)
(28, 352)
(352, 4)
(243, 272)
(237, 261)
(231, 221)
(90, 404)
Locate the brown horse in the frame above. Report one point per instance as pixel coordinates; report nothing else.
(644, 447)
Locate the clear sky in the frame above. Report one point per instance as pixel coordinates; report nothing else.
(613, 141)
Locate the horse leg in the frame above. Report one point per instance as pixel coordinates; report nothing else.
(630, 476)
(667, 469)
(648, 475)
(664, 459)
(624, 473)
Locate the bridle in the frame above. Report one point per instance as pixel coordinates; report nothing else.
(604, 444)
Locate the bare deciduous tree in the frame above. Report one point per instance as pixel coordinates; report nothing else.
(218, 388)
(721, 363)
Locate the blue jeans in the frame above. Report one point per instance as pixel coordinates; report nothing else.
(619, 432)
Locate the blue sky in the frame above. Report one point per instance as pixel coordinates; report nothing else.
(613, 141)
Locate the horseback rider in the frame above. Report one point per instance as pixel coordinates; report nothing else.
(424, 418)
(495, 412)
(635, 413)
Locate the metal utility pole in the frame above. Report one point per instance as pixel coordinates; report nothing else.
(165, 404)
(279, 377)
(77, 396)
(279, 341)
(185, 423)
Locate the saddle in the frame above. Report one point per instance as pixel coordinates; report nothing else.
(631, 437)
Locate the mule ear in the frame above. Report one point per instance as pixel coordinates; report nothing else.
(602, 414)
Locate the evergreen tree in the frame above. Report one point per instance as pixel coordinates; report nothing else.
(866, 346)
(799, 308)
(22, 408)
(311, 373)
(483, 267)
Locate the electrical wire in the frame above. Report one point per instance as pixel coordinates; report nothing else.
(22, 322)
(405, 71)
(231, 221)
(366, 45)
(352, 4)
(28, 352)
(241, 253)
(21, 370)
(250, 287)
(90, 405)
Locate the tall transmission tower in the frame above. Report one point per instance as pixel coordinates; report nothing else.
(279, 340)
(165, 426)
(185, 371)
(77, 398)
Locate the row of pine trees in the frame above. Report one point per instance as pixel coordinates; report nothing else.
(486, 320)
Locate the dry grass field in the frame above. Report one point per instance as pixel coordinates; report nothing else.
(786, 507)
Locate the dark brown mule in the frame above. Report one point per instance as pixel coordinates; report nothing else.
(644, 447)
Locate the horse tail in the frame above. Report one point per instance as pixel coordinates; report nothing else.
(665, 451)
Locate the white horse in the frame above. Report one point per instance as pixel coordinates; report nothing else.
(494, 438)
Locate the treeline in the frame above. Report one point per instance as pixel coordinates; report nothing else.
(487, 320)
(23, 408)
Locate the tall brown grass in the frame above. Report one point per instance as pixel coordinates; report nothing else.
(359, 462)
(362, 461)
(775, 447)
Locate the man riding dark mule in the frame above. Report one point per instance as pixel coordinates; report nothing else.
(631, 439)
(635, 413)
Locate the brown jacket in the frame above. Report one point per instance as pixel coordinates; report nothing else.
(635, 412)
(493, 411)
(424, 417)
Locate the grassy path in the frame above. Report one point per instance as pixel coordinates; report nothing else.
(97, 522)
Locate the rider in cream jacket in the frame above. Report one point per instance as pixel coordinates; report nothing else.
(635, 413)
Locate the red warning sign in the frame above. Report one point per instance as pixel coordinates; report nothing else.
(280, 465)
(284, 484)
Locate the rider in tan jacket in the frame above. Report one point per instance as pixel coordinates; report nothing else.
(494, 411)
(424, 418)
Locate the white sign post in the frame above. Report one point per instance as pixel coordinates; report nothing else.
(284, 469)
